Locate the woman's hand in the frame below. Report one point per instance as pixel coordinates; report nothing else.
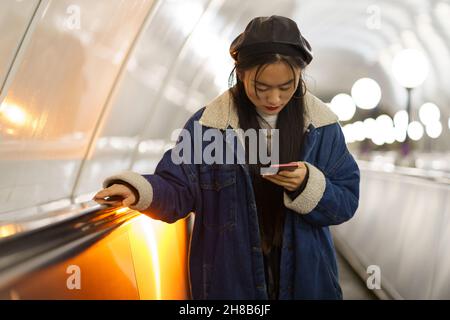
(119, 191)
(290, 180)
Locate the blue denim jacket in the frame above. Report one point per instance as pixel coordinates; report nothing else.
(226, 260)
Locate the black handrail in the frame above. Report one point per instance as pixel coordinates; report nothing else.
(34, 248)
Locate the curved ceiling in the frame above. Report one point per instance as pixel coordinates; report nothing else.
(354, 39)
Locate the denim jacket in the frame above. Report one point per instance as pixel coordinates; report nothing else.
(225, 258)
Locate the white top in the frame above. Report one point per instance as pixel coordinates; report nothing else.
(270, 119)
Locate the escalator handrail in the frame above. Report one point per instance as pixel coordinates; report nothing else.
(35, 248)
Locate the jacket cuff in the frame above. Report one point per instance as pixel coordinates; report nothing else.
(311, 195)
(142, 186)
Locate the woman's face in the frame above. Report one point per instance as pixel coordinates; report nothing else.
(275, 86)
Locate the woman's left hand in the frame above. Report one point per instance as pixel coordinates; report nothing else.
(290, 180)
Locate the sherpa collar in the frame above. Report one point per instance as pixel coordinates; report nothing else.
(221, 113)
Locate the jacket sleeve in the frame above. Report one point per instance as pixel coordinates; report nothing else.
(331, 195)
(170, 193)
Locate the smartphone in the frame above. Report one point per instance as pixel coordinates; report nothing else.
(276, 168)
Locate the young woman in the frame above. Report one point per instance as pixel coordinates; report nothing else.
(258, 236)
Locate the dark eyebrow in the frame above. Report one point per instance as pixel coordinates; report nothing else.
(281, 85)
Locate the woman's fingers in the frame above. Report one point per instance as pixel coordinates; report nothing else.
(290, 180)
(107, 192)
(292, 177)
(277, 178)
(289, 185)
(115, 193)
(114, 190)
(295, 173)
(292, 174)
(101, 194)
(129, 201)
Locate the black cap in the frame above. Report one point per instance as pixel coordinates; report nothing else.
(274, 34)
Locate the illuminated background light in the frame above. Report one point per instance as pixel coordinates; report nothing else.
(13, 114)
(384, 129)
(347, 130)
(401, 125)
(401, 119)
(366, 93)
(429, 113)
(410, 68)
(359, 131)
(415, 130)
(369, 127)
(434, 130)
(344, 106)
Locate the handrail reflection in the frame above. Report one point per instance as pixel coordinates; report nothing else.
(439, 177)
(19, 222)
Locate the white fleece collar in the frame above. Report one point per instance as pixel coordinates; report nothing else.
(221, 113)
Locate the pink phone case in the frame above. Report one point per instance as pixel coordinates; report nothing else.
(285, 166)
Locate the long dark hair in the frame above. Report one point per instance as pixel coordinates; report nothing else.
(290, 123)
